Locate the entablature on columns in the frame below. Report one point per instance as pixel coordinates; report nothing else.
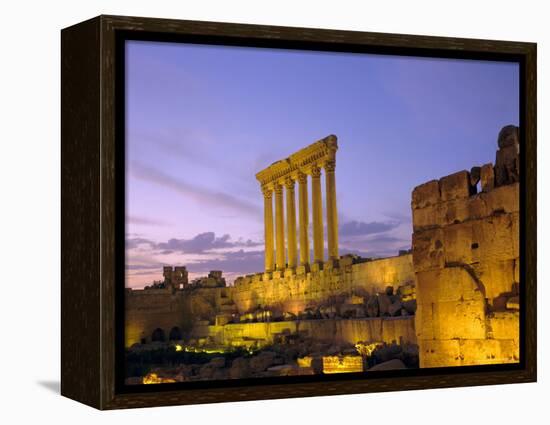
(318, 154)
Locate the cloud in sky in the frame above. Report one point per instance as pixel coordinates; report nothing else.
(145, 221)
(204, 196)
(206, 241)
(241, 262)
(361, 228)
(206, 251)
(375, 238)
(202, 253)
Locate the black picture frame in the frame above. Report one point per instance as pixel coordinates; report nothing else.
(93, 176)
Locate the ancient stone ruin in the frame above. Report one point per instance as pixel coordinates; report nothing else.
(466, 262)
(452, 300)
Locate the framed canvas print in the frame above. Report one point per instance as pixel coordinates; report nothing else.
(253, 212)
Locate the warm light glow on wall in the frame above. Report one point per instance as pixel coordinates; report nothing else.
(153, 378)
(342, 364)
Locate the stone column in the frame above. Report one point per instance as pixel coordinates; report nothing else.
(304, 219)
(279, 228)
(268, 228)
(317, 213)
(332, 214)
(291, 222)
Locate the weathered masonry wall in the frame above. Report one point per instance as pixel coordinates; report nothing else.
(170, 311)
(388, 329)
(147, 310)
(466, 260)
(179, 311)
(294, 292)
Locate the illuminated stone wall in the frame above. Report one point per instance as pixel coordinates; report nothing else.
(166, 309)
(342, 364)
(466, 260)
(293, 292)
(387, 329)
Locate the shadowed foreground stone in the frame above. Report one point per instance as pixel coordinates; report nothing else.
(389, 365)
(508, 136)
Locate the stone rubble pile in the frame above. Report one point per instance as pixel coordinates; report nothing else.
(390, 303)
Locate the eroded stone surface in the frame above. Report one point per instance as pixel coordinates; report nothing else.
(466, 260)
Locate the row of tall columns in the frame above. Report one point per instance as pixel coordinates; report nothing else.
(284, 258)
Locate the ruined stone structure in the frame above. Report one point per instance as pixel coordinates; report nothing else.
(310, 161)
(466, 261)
(463, 272)
(291, 287)
(175, 277)
(380, 329)
(294, 292)
(170, 311)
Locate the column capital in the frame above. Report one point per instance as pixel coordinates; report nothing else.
(302, 177)
(267, 191)
(330, 166)
(289, 183)
(278, 189)
(315, 171)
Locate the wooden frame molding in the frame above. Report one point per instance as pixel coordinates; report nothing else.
(92, 210)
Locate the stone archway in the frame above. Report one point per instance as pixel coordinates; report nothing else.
(175, 334)
(158, 335)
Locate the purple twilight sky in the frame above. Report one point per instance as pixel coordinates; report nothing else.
(202, 120)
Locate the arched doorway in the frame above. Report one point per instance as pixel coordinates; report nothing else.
(175, 334)
(158, 335)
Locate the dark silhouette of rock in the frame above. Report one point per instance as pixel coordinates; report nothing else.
(389, 365)
(508, 136)
(395, 308)
(373, 307)
(384, 302)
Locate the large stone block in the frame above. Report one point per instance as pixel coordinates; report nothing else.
(497, 277)
(439, 353)
(507, 165)
(517, 271)
(504, 325)
(459, 319)
(515, 234)
(488, 351)
(477, 206)
(457, 243)
(428, 250)
(455, 186)
(449, 284)
(398, 329)
(487, 177)
(425, 195)
(427, 217)
(423, 321)
(504, 199)
(497, 237)
(455, 211)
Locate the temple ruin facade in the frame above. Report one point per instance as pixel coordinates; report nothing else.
(282, 176)
(455, 295)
